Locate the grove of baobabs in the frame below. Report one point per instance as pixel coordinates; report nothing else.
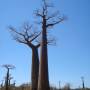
(37, 40)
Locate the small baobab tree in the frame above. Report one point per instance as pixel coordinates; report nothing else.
(8, 67)
(48, 20)
(83, 83)
(27, 36)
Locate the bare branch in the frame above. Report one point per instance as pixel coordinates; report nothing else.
(18, 39)
(18, 36)
(51, 19)
(53, 15)
(44, 9)
(56, 22)
(14, 30)
(27, 28)
(25, 35)
(38, 13)
(50, 40)
(8, 66)
(35, 37)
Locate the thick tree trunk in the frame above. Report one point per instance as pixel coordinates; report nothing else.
(35, 68)
(43, 82)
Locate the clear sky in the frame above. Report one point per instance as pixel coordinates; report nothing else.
(68, 60)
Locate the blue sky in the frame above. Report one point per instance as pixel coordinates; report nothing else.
(68, 60)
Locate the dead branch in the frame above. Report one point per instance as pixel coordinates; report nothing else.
(25, 35)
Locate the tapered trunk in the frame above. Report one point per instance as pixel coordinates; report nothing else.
(35, 68)
(6, 81)
(43, 81)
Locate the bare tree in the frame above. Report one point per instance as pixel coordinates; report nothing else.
(27, 36)
(8, 67)
(47, 20)
(83, 83)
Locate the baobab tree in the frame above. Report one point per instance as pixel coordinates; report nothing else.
(8, 67)
(83, 83)
(48, 20)
(27, 36)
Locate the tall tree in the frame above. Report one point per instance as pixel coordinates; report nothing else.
(47, 20)
(8, 67)
(26, 36)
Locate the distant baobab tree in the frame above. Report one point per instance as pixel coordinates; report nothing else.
(83, 83)
(8, 67)
(27, 36)
(48, 20)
